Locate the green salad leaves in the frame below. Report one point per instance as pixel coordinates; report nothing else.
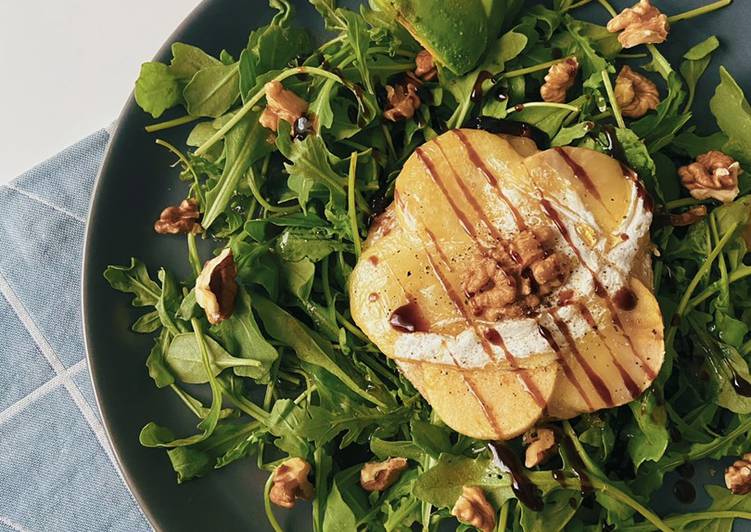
(289, 374)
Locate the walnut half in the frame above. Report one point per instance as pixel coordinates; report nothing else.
(636, 95)
(403, 102)
(713, 175)
(290, 482)
(426, 69)
(216, 287)
(559, 79)
(738, 476)
(179, 219)
(690, 217)
(473, 508)
(540, 446)
(281, 104)
(641, 24)
(377, 476)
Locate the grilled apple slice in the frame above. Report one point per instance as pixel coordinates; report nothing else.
(511, 284)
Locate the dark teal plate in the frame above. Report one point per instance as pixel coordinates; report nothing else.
(136, 182)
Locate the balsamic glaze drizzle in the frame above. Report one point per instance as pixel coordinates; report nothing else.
(524, 489)
(509, 127)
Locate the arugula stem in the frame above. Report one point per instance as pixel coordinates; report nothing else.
(355, 228)
(707, 449)
(737, 275)
(626, 499)
(577, 5)
(714, 6)
(572, 108)
(267, 505)
(679, 522)
(597, 482)
(703, 271)
(160, 126)
(503, 517)
(682, 202)
(631, 56)
(608, 7)
(534, 68)
(195, 260)
(724, 285)
(601, 116)
(745, 348)
(613, 102)
(325, 282)
(389, 141)
(257, 97)
(186, 163)
(261, 200)
(208, 424)
(184, 398)
(579, 448)
(350, 327)
(250, 408)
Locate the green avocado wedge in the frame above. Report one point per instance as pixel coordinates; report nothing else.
(455, 32)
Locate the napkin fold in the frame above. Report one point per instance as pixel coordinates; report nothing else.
(57, 470)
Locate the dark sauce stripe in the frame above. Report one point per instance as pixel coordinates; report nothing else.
(489, 177)
(430, 167)
(469, 196)
(597, 383)
(631, 386)
(580, 173)
(570, 375)
(599, 289)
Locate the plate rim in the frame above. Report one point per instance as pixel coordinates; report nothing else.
(87, 273)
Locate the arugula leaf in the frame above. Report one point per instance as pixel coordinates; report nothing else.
(733, 113)
(244, 144)
(567, 135)
(327, 9)
(442, 484)
(385, 449)
(156, 364)
(240, 335)
(284, 328)
(157, 89)
(188, 60)
(295, 244)
(286, 422)
(212, 90)
(169, 303)
(147, 323)
(649, 435)
(276, 45)
(697, 60)
(359, 40)
(311, 166)
(346, 503)
(153, 435)
(298, 277)
(134, 279)
(184, 359)
(560, 507)
(222, 448)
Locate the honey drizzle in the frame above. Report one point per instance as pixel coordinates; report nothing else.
(553, 214)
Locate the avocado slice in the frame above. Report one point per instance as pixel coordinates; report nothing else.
(455, 32)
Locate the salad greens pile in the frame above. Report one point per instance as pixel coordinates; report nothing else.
(289, 374)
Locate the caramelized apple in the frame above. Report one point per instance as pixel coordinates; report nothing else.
(511, 284)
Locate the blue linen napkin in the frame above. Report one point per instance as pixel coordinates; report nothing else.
(57, 470)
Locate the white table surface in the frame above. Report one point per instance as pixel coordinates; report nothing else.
(68, 67)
